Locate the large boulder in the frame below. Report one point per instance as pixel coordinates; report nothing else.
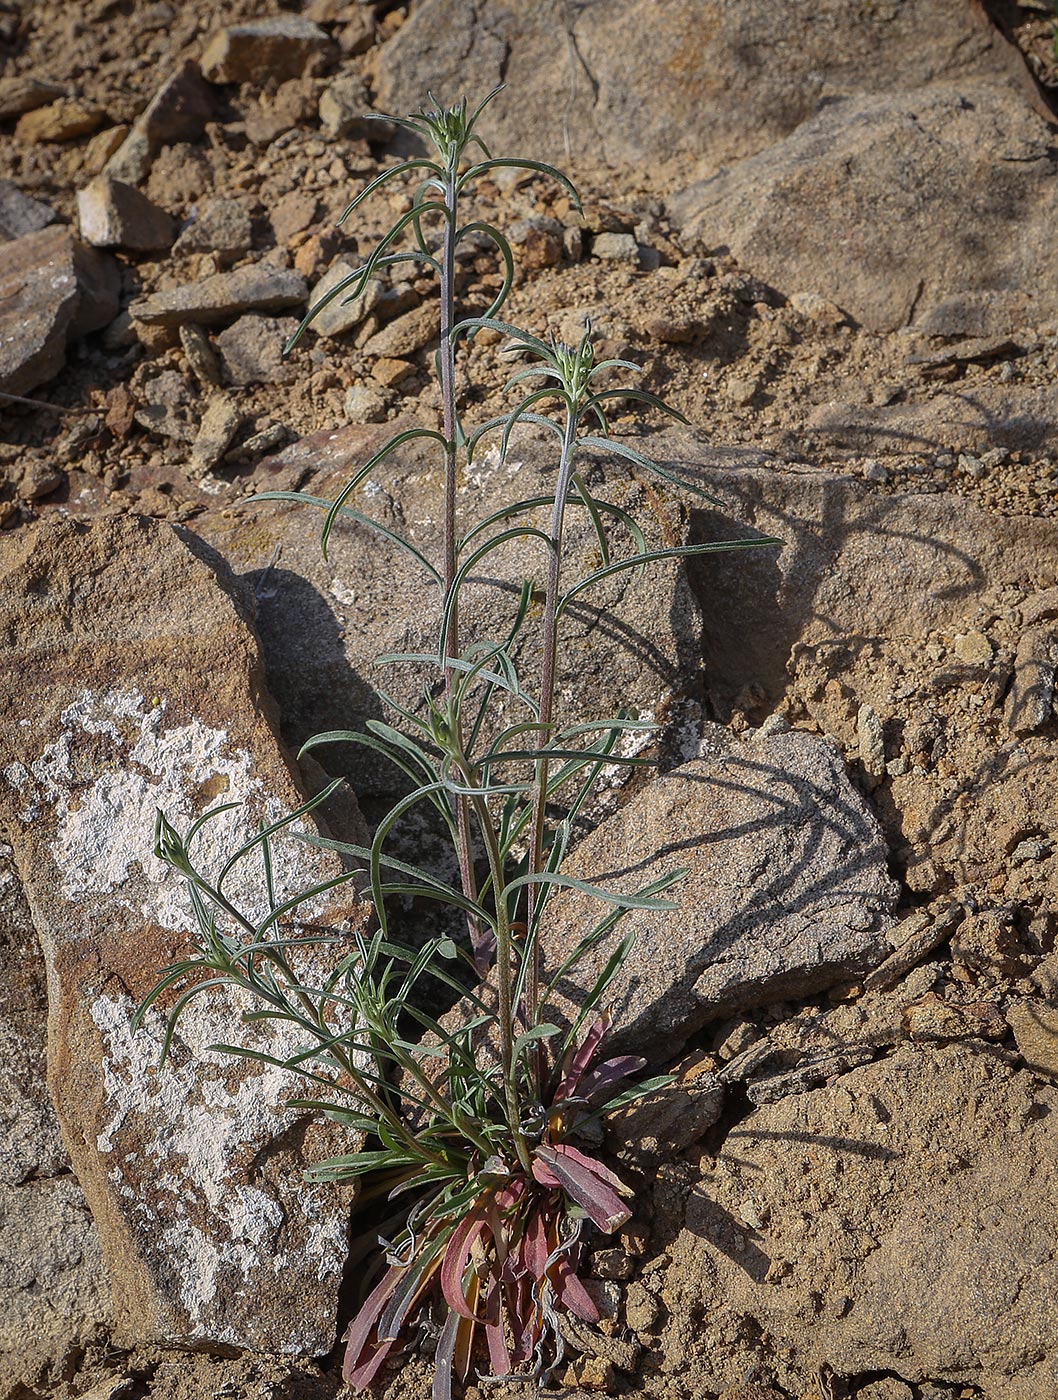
(931, 208)
(900, 1220)
(675, 86)
(786, 890)
(148, 692)
(630, 641)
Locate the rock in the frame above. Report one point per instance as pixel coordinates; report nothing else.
(202, 359)
(293, 104)
(670, 1119)
(103, 145)
(149, 693)
(252, 350)
(872, 743)
(222, 226)
(63, 120)
(253, 52)
(363, 404)
(408, 333)
(642, 1309)
(694, 82)
(113, 215)
(865, 201)
(177, 112)
(935, 1019)
(616, 247)
(974, 648)
(19, 214)
(324, 623)
(390, 372)
(223, 296)
(40, 479)
(540, 242)
(293, 214)
(53, 289)
(345, 111)
(836, 567)
(220, 422)
(340, 316)
(786, 891)
(1035, 1026)
(22, 93)
(1030, 703)
(53, 1295)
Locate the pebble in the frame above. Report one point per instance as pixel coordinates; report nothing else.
(251, 350)
(344, 111)
(974, 648)
(364, 405)
(740, 392)
(223, 296)
(1027, 851)
(616, 247)
(874, 470)
(642, 1309)
(340, 315)
(1030, 701)
(23, 94)
(220, 422)
(201, 357)
(21, 214)
(1035, 1026)
(390, 372)
(64, 120)
(263, 49)
(611, 1264)
(408, 333)
(221, 226)
(294, 213)
(591, 1373)
(871, 741)
(114, 215)
(40, 479)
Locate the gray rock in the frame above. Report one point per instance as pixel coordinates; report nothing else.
(22, 93)
(178, 111)
(1030, 703)
(363, 404)
(221, 226)
(899, 1236)
(53, 289)
(616, 247)
(408, 333)
(696, 83)
(19, 214)
(114, 215)
(252, 350)
(345, 111)
(786, 893)
(223, 296)
(866, 201)
(149, 694)
(340, 316)
(202, 359)
(220, 422)
(258, 50)
(324, 623)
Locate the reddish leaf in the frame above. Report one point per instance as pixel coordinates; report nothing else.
(582, 1058)
(587, 1183)
(609, 1074)
(457, 1258)
(362, 1326)
(571, 1292)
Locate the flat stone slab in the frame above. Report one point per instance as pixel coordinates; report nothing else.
(148, 692)
(786, 892)
(222, 297)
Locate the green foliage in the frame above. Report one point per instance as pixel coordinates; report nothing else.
(473, 1129)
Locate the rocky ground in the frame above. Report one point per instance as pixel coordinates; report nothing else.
(825, 231)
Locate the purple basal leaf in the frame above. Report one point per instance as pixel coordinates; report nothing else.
(588, 1183)
(357, 1370)
(457, 1258)
(609, 1073)
(582, 1058)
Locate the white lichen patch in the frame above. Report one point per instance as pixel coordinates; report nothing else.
(180, 1138)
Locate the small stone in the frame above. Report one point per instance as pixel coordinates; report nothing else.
(616, 247)
(741, 392)
(267, 440)
(1030, 702)
(102, 147)
(252, 350)
(220, 422)
(642, 1309)
(817, 308)
(317, 253)
(751, 1214)
(1026, 852)
(874, 470)
(254, 52)
(358, 35)
(407, 334)
(539, 241)
(64, 120)
(221, 226)
(573, 243)
(1035, 1026)
(114, 215)
(340, 315)
(1039, 606)
(19, 213)
(872, 742)
(974, 648)
(294, 213)
(24, 94)
(364, 405)
(344, 111)
(201, 357)
(223, 296)
(774, 724)
(591, 1373)
(131, 162)
(611, 1264)
(121, 411)
(934, 1019)
(390, 372)
(40, 479)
